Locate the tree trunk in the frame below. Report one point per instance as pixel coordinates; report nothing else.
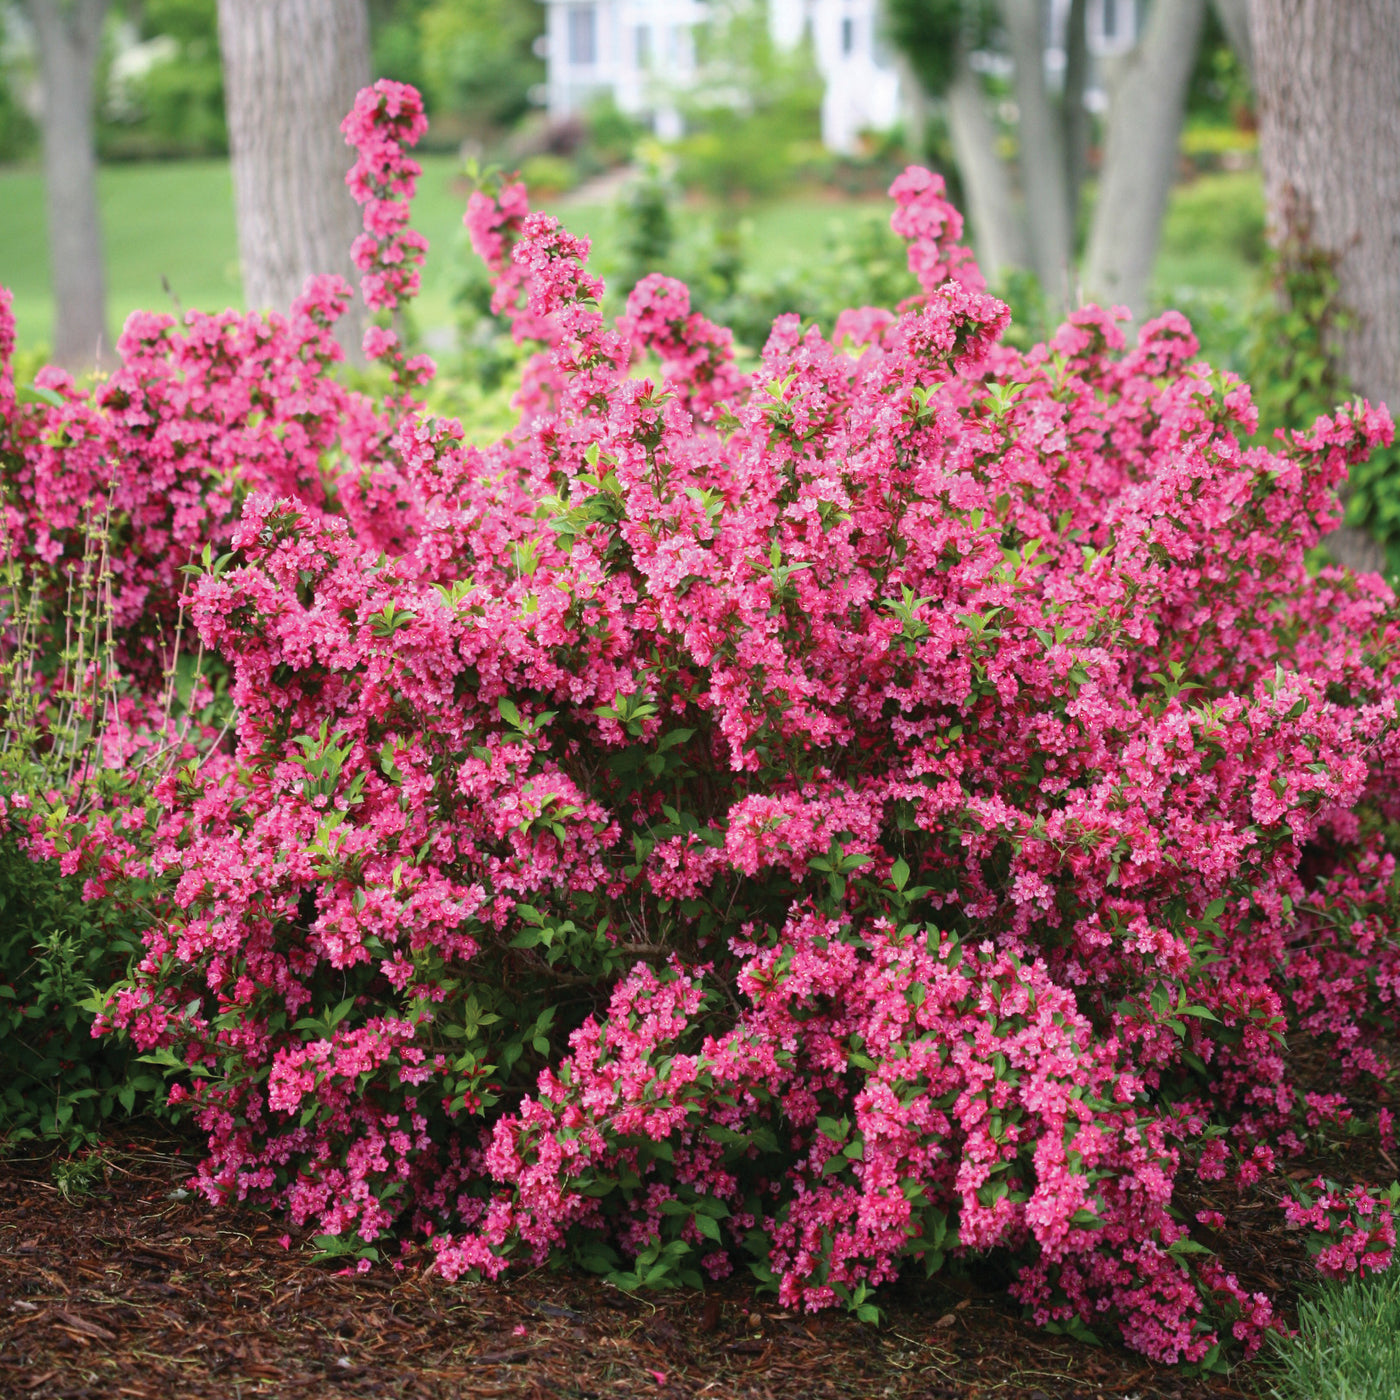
(1144, 128)
(1327, 79)
(1329, 140)
(69, 39)
(913, 106)
(998, 232)
(1234, 20)
(291, 72)
(1042, 153)
(1076, 114)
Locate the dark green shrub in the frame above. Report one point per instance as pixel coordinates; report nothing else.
(176, 107)
(59, 701)
(56, 1081)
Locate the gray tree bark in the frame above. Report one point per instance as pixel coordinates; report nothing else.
(997, 229)
(291, 72)
(1327, 79)
(1042, 153)
(69, 39)
(1076, 114)
(913, 105)
(1146, 106)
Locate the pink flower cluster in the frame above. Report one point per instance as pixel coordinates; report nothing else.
(902, 803)
(1357, 1227)
(168, 445)
(385, 121)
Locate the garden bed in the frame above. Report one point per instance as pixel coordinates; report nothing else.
(122, 1288)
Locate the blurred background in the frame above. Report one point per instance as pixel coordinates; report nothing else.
(740, 144)
(175, 154)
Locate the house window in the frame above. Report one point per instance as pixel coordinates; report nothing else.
(583, 35)
(848, 35)
(643, 48)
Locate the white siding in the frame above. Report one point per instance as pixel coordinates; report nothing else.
(861, 87)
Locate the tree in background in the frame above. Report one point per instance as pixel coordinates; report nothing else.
(1148, 89)
(937, 38)
(1327, 77)
(69, 35)
(291, 72)
(175, 107)
(478, 59)
(1147, 104)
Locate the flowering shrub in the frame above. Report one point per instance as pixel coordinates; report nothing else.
(894, 806)
(1356, 1227)
(78, 741)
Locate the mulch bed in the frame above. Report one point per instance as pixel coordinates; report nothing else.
(124, 1287)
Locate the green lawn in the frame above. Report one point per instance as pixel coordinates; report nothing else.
(171, 220)
(172, 223)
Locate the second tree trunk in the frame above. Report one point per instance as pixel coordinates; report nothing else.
(291, 72)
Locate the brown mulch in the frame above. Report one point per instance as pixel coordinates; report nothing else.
(121, 1287)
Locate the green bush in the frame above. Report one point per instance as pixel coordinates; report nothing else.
(175, 108)
(754, 117)
(610, 135)
(478, 61)
(56, 1081)
(645, 225)
(548, 174)
(1223, 210)
(862, 264)
(58, 950)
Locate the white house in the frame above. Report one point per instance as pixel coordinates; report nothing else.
(1111, 29)
(861, 87)
(643, 52)
(638, 50)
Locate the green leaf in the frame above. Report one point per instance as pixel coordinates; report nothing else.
(36, 393)
(1186, 1245)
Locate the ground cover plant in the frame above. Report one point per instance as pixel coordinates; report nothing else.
(902, 806)
(1347, 1346)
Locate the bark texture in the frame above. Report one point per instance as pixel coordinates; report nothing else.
(1327, 79)
(1146, 105)
(997, 229)
(1076, 114)
(69, 39)
(1042, 153)
(291, 72)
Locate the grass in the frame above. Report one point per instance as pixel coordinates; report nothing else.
(171, 223)
(1348, 1343)
(160, 220)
